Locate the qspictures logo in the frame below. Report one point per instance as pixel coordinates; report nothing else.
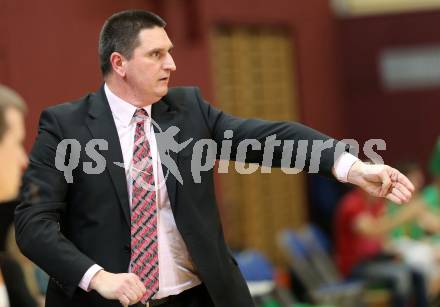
(206, 151)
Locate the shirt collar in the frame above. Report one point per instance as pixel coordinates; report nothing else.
(122, 110)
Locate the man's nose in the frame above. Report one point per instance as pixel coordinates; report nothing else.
(169, 63)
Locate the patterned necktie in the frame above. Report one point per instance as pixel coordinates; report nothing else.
(144, 245)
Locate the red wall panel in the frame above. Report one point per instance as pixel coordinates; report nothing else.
(408, 120)
(50, 48)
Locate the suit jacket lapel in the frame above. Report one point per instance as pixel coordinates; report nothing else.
(102, 126)
(165, 117)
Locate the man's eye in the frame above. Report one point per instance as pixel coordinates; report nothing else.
(156, 54)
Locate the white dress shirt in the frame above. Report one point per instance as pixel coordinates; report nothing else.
(176, 270)
(4, 298)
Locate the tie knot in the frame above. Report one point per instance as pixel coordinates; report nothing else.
(140, 115)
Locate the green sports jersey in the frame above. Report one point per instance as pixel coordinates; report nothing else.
(431, 196)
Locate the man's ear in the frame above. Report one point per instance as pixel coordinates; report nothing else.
(118, 63)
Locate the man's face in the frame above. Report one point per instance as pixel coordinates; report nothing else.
(13, 158)
(148, 70)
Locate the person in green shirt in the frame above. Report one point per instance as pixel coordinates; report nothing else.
(418, 241)
(431, 194)
(428, 223)
(410, 229)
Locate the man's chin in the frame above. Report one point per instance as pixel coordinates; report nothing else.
(162, 92)
(7, 196)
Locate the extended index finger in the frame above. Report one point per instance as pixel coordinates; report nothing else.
(402, 179)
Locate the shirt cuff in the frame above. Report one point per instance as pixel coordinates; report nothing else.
(342, 166)
(87, 278)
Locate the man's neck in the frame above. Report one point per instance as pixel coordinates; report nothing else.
(127, 94)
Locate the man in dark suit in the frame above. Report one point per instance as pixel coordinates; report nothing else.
(89, 225)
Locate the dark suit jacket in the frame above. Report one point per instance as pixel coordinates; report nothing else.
(67, 227)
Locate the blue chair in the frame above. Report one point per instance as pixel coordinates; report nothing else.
(259, 272)
(318, 246)
(254, 266)
(323, 285)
